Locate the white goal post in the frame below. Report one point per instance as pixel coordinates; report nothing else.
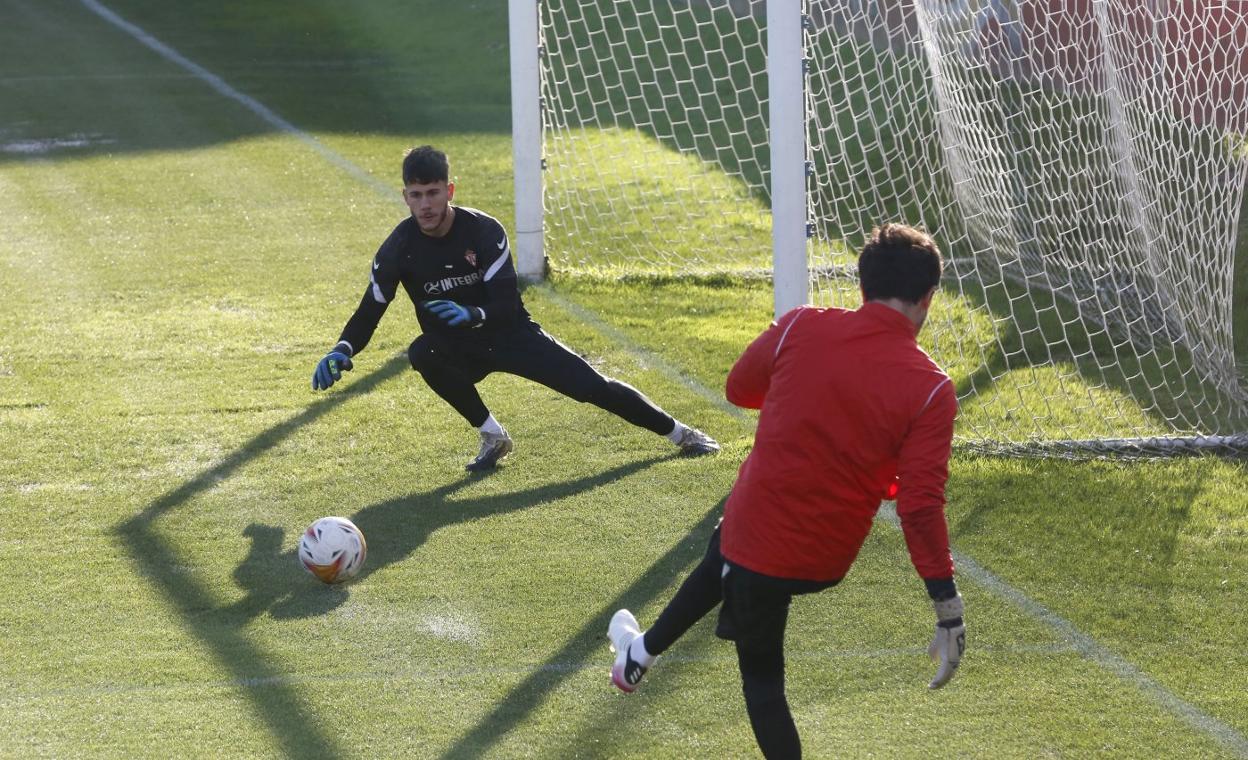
(1082, 164)
(526, 136)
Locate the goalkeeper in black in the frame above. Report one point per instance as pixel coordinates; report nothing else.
(455, 264)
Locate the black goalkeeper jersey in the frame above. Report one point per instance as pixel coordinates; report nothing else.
(470, 265)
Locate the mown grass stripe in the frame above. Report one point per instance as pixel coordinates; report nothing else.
(644, 356)
(1090, 649)
(223, 88)
(1083, 643)
(12, 696)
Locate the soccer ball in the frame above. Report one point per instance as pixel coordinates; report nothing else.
(332, 549)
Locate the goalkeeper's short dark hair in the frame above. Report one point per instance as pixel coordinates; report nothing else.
(425, 164)
(899, 261)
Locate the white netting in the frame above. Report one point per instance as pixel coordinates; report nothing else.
(656, 136)
(1082, 163)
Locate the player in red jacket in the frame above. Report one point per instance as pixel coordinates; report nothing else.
(852, 412)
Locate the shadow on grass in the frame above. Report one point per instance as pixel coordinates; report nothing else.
(76, 85)
(86, 86)
(276, 584)
(1114, 530)
(396, 528)
(587, 643)
(278, 704)
(1045, 329)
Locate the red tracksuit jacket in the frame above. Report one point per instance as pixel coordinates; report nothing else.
(852, 410)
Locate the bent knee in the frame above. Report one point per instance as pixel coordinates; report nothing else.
(419, 354)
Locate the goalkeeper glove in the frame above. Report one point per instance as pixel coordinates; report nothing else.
(949, 642)
(330, 369)
(454, 315)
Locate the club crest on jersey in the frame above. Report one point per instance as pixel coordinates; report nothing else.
(471, 257)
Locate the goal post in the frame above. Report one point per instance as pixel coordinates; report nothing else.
(786, 80)
(1082, 164)
(526, 135)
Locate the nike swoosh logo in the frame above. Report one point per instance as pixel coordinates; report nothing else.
(502, 244)
(376, 264)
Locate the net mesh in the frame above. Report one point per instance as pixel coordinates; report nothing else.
(1081, 162)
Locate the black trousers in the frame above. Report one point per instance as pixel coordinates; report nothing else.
(453, 370)
(754, 612)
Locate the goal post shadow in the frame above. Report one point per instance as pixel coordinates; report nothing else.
(220, 628)
(277, 703)
(584, 645)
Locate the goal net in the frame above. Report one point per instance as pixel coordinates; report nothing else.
(1081, 162)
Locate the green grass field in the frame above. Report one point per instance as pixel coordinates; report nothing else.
(173, 266)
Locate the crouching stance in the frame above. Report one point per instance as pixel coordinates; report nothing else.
(853, 412)
(455, 264)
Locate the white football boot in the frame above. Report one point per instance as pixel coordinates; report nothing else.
(626, 673)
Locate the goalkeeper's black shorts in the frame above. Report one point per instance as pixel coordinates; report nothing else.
(755, 608)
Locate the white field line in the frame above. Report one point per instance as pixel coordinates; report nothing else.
(221, 87)
(1088, 647)
(1084, 644)
(12, 695)
(645, 357)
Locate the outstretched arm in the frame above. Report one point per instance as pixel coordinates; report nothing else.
(360, 327)
(923, 472)
(359, 330)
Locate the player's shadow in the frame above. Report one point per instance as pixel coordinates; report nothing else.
(277, 585)
(279, 705)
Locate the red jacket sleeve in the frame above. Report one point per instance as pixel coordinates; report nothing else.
(923, 469)
(750, 377)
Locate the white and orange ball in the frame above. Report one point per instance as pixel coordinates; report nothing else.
(332, 549)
